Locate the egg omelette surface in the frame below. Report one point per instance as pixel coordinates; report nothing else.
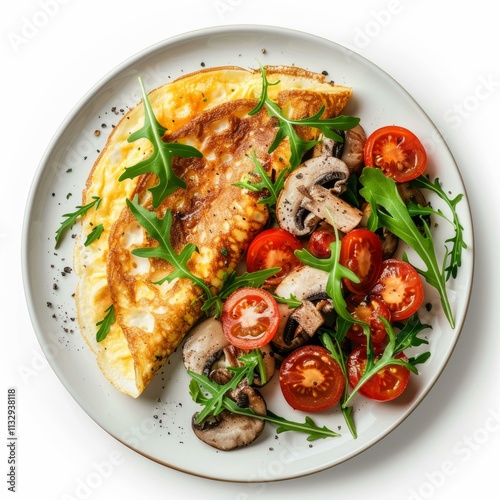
(208, 110)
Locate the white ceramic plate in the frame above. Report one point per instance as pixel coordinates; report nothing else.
(157, 424)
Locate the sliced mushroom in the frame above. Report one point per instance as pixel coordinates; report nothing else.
(390, 243)
(349, 150)
(326, 206)
(411, 194)
(354, 144)
(298, 325)
(305, 201)
(227, 430)
(329, 147)
(208, 352)
(203, 346)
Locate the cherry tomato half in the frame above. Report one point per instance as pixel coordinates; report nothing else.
(387, 384)
(273, 247)
(397, 151)
(400, 287)
(250, 318)
(319, 243)
(367, 309)
(310, 379)
(361, 252)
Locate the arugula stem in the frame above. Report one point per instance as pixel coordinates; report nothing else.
(327, 339)
(458, 243)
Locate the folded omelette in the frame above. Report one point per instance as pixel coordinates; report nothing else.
(208, 110)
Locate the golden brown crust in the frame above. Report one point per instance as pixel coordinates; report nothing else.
(220, 219)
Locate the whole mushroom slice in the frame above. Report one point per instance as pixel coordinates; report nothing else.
(228, 431)
(207, 351)
(350, 150)
(304, 200)
(298, 325)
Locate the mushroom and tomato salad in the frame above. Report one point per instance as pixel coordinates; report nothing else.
(337, 311)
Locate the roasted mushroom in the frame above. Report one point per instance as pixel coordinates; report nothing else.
(227, 430)
(305, 200)
(349, 150)
(297, 326)
(208, 352)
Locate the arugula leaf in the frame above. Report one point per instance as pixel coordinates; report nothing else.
(299, 146)
(214, 398)
(405, 339)
(94, 235)
(105, 324)
(159, 230)
(71, 218)
(291, 301)
(336, 273)
(457, 241)
(389, 210)
(160, 160)
(214, 405)
(265, 183)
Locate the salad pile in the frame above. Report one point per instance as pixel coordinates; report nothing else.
(329, 294)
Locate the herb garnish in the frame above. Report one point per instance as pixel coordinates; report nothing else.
(299, 146)
(457, 241)
(71, 218)
(389, 210)
(159, 230)
(406, 338)
(105, 324)
(94, 235)
(336, 273)
(160, 160)
(265, 184)
(214, 398)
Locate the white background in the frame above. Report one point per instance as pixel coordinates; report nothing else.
(445, 55)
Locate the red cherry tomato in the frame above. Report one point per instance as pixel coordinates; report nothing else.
(310, 379)
(387, 384)
(361, 252)
(397, 152)
(367, 309)
(319, 243)
(250, 318)
(400, 287)
(273, 248)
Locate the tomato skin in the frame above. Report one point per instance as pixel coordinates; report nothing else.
(397, 152)
(319, 243)
(400, 288)
(361, 252)
(387, 384)
(273, 247)
(250, 318)
(367, 309)
(311, 380)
